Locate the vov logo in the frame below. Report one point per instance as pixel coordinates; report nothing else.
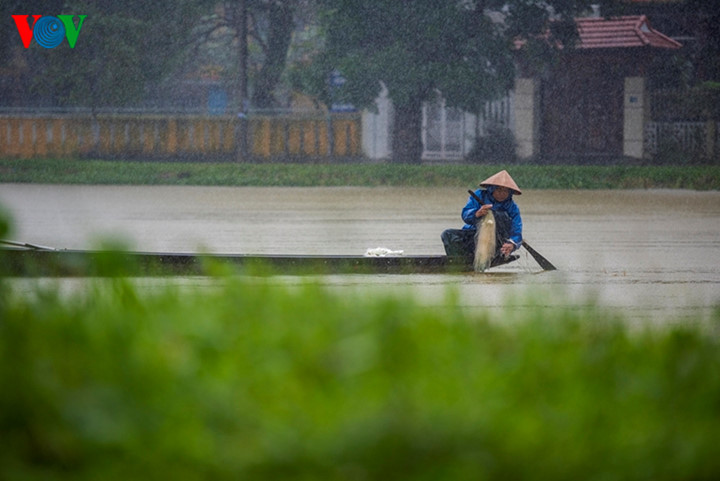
(48, 31)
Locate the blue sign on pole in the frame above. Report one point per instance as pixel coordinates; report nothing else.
(336, 82)
(217, 101)
(336, 79)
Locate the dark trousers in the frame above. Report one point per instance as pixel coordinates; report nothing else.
(461, 242)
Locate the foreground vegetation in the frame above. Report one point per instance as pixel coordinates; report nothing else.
(251, 380)
(74, 171)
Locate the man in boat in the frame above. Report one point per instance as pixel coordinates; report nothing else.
(496, 194)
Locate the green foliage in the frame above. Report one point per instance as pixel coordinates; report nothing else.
(6, 226)
(462, 50)
(310, 77)
(68, 171)
(252, 380)
(9, 36)
(700, 103)
(123, 47)
(415, 48)
(498, 145)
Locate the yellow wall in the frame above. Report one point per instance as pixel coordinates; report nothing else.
(26, 136)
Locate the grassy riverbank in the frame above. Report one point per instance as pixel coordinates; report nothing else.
(73, 171)
(255, 380)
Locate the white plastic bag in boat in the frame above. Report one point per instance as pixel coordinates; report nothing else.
(382, 252)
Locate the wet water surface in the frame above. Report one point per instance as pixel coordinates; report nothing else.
(646, 254)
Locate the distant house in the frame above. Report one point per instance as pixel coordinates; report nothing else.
(594, 102)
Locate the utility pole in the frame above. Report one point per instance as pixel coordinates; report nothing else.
(241, 122)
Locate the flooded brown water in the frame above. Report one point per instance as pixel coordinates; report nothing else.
(643, 253)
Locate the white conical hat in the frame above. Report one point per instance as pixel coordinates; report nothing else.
(501, 179)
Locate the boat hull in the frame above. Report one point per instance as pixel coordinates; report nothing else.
(73, 263)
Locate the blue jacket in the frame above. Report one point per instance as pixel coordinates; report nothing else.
(508, 205)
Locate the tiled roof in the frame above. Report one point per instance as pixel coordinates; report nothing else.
(621, 32)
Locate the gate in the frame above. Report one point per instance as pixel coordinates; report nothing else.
(582, 111)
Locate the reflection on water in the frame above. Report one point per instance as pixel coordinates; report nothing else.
(654, 253)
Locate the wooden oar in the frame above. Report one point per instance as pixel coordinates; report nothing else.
(544, 263)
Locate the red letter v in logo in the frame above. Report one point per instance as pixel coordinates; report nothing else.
(24, 29)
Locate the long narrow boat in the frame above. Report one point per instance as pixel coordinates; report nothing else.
(27, 260)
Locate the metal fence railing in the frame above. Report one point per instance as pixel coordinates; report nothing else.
(697, 139)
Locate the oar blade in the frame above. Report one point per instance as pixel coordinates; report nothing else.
(544, 263)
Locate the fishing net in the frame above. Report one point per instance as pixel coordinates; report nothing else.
(485, 242)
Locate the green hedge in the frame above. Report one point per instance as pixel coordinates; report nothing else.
(73, 171)
(250, 380)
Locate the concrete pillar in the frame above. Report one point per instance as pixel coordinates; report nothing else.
(527, 117)
(636, 111)
(377, 128)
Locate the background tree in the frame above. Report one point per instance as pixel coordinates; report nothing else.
(272, 25)
(271, 41)
(123, 47)
(419, 48)
(15, 62)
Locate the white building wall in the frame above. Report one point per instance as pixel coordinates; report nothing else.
(448, 134)
(377, 128)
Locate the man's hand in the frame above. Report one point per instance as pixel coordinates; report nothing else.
(507, 248)
(483, 210)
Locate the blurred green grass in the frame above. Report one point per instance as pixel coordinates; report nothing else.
(255, 380)
(88, 171)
